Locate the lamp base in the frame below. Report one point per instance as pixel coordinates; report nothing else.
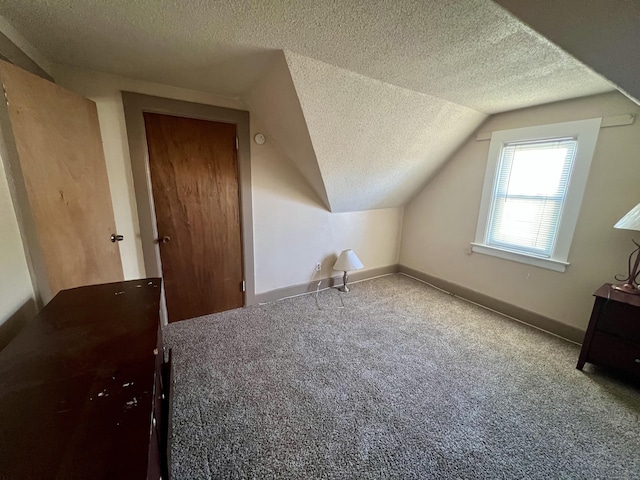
(345, 279)
(630, 284)
(627, 288)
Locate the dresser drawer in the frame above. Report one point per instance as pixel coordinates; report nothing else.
(607, 349)
(620, 319)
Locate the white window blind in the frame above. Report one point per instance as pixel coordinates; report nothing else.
(529, 194)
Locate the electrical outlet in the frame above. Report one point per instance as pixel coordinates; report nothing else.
(318, 266)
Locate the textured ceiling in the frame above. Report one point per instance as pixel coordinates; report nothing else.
(360, 143)
(370, 97)
(375, 143)
(605, 35)
(469, 52)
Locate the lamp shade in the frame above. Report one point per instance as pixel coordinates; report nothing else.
(631, 221)
(347, 261)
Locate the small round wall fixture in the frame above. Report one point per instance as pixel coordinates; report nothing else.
(260, 139)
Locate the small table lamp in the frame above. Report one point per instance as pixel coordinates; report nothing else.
(348, 260)
(631, 221)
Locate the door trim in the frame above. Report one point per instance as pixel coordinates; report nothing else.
(134, 105)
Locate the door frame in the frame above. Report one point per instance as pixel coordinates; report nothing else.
(135, 105)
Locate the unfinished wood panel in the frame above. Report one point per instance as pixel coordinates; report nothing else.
(194, 178)
(62, 163)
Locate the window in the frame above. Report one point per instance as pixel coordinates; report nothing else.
(530, 191)
(533, 188)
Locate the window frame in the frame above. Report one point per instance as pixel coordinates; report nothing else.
(586, 133)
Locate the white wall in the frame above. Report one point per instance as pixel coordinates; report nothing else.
(17, 296)
(441, 221)
(291, 231)
(16, 289)
(274, 99)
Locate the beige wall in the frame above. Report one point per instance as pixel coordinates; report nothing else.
(291, 231)
(274, 100)
(17, 297)
(16, 290)
(441, 221)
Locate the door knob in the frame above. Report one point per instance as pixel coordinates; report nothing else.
(165, 239)
(116, 238)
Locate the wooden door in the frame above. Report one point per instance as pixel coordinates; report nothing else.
(194, 179)
(57, 138)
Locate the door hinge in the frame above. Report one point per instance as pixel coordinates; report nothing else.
(237, 143)
(243, 286)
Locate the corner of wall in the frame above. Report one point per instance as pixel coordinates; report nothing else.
(274, 101)
(18, 50)
(440, 222)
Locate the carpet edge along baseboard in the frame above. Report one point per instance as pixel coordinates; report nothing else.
(547, 324)
(300, 289)
(536, 320)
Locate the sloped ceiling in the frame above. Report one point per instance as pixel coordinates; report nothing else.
(470, 52)
(275, 101)
(375, 143)
(604, 35)
(360, 143)
(381, 92)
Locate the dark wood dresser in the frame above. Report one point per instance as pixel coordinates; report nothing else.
(613, 335)
(84, 389)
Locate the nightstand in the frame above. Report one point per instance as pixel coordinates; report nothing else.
(613, 335)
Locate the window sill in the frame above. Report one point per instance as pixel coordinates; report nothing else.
(548, 263)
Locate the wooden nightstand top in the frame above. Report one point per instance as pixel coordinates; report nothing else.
(605, 291)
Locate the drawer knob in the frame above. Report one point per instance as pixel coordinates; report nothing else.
(637, 360)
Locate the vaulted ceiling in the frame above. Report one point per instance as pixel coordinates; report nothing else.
(373, 144)
(371, 97)
(603, 34)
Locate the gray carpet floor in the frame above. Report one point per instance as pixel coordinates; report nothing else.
(392, 380)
